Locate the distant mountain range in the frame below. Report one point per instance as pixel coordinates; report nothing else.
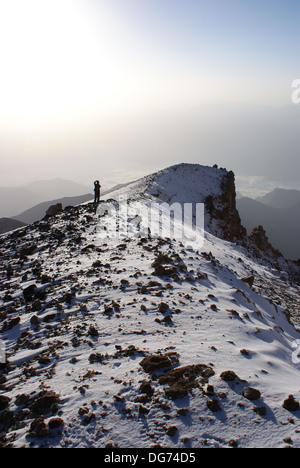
(39, 211)
(8, 224)
(39, 196)
(281, 198)
(278, 212)
(15, 200)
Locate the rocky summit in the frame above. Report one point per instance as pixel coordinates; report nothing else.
(143, 340)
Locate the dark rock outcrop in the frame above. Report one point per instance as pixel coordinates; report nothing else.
(53, 210)
(229, 215)
(259, 239)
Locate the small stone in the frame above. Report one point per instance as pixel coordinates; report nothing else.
(290, 404)
(93, 331)
(232, 443)
(154, 362)
(36, 305)
(143, 409)
(41, 429)
(45, 401)
(260, 410)
(182, 412)
(22, 400)
(163, 307)
(209, 390)
(54, 423)
(82, 411)
(4, 402)
(249, 280)
(213, 405)
(171, 431)
(34, 320)
(228, 376)
(251, 393)
(146, 388)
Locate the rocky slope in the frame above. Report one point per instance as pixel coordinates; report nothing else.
(142, 341)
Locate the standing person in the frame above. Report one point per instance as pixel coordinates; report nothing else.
(97, 187)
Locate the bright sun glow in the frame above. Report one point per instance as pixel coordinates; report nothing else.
(66, 64)
(57, 64)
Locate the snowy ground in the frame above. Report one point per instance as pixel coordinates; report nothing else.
(101, 307)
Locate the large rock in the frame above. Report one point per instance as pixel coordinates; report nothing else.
(30, 292)
(251, 394)
(260, 240)
(53, 210)
(290, 404)
(4, 402)
(44, 402)
(232, 225)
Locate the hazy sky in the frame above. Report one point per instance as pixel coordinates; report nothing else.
(116, 88)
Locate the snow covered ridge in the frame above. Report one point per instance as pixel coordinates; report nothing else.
(191, 184)
(143, 342)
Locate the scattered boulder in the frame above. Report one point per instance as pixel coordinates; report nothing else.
(44, 360)
(34, 320)
(163, 266)
(49, 317)
(54, 210)
(96, 357)
(39, 428)
(290, 404)
(155, 361)
(10, 324)
(146, 388)
(251, 393)
(163, 307)
(68, 297)
(213, 405)
(182, 380)
(228, 376)
(143, 409)
(45, 402)
(36, 305)
(249, 280)
(209, 390)
(22, 400)
(171, 430)
(29, 292)
(55, 423)
(232, 443)
(4, 402)
(93, 332)
(260, 240)
(28, 250)
(260, 410)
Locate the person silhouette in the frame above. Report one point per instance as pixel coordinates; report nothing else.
(97, 187)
